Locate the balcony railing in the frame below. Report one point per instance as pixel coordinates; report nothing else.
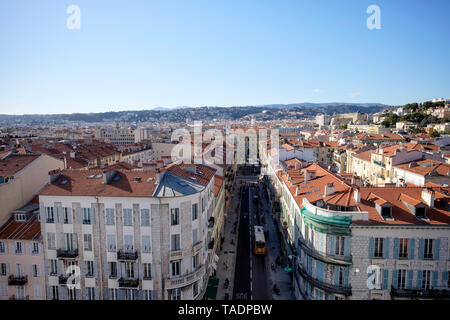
(328, 258)
(62, 279)
(334, 289)
(66, 253)
(186, 279)
(17, 280)
(128, 283)
(419, 293)
(50, 220)
(127, 255)
(211, 223)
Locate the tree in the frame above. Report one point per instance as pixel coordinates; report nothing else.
(344, 127)
(434, 134)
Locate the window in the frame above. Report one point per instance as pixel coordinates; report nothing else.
(111, 242)
(145, 217)
(386, 212)
(129, 243)
(35, 248)
(194, 211)
(19, 270)
(127, 217)
(420, 212)
(2, 247)
(71, 294)
(147, 295)
(130, 294)
(110, 217)
(195, 262)
(37, 291)
(90, 293)
(3, 289)
(174, 216)
(403, 250)
(50, 215)
(175, 294)
(87, 216)
(54, 292)
(20, 217)
(66, 215)
(112, 269)
(129, 270)
(89, 268)
(35, 270)
(339, 246)
(145, 243)
(51, 240)
(113, 294)
(175, 268)
(175, 242)
(147, 271)
(194, 236)
(195, 289)
(87, 241)
(401, 279)
(3, 269)
(53, 267)
(426, 279)
(428, 249)
(19, 247)
(378, 248)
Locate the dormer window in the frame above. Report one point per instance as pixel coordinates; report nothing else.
(20, 217)
(386, 212)
(420, 213)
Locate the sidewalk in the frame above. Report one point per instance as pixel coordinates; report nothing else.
(228, 253)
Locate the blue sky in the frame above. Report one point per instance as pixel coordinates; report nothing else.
(134, 55)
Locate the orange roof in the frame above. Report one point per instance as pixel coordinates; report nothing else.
(21, 230)
(218, 182)
(15, 163)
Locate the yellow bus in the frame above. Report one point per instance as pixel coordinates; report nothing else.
(260, 246)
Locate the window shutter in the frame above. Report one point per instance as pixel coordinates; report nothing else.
(31, 270)
(96, 294)
(30, 248)
(93, 212)
(59, 267)
(141, 271)
(121, 294)
(421, 248)
(385, 279)
(60, 214)
(47, 293)
(346, 276)
(106, 269)
(75, 241)
(153, 271)
(419, 279)
(371, 247)
(394, 278)
(411, 249)
(46, 268)
(410, 279)
(336, 275)
(60, 293)
(386, 248)
(69, 214)
(396, 248)
(83, 268)
(347, 246)
(154, 295)
(437, 247)
(122, 270)
(95, 269)
(435, 279)
(444, 278)
(106, 293)
(6, 247)
(38, 266)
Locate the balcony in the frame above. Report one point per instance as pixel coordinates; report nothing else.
(419, 293)
(128, 283)
(87, 222)
(17, 280)
(66, 253)
(185, 280)
(176, 254)
(197, 246)
(327, 258)
(50, 220)
(211, 244)
(330, 288)
(127, 255)
(14, 297)
(62, 279)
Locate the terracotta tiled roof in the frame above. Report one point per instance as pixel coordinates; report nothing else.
(14, 163)
(218, 182)
(364, 155)
(426, 167)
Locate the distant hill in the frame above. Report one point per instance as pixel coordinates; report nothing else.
(181, 114)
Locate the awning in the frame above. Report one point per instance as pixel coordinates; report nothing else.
(211, 289)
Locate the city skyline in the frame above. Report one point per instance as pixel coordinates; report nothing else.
(147, 55)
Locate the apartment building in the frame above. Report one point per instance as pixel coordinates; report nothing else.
(138, 157)
(346, 242)
(422, 172)
(116, 136)
(21, 178)
(131, 234)
(21, 256)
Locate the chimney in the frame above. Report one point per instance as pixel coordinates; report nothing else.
(400, 183)
(357, 195)
(297, 191)
(307, 176)
(108, 175)
(72, 154)
(428, 197)
(329, 189)
(53, 175)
